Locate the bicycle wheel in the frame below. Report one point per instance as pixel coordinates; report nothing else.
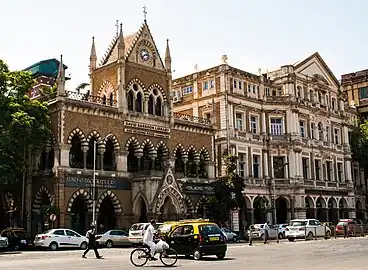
(139, 257)
(169, 257)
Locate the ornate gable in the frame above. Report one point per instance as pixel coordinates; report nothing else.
(139, 47)
(316, 68)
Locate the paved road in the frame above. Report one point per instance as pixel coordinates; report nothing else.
(323, 254)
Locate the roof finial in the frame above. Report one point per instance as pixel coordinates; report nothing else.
(117, 27)
(145, 12)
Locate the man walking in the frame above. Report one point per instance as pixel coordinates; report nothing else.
(148, 239)
(91, 235)
(266, 229)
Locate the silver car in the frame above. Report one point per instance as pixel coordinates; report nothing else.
(113, 238)
(230, 236)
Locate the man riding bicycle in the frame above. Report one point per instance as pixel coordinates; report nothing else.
(148, 239)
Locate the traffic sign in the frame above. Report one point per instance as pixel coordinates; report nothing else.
(52, 217)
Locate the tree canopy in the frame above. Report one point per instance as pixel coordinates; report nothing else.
(24, 123)
(228, 192)
(359, 142)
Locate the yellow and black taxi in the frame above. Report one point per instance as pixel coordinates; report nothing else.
(18, 238)
(196, 238)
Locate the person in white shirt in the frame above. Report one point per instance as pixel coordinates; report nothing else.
(148, 238)
(266, 228)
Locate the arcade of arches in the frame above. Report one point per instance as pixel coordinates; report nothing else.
(259, 209)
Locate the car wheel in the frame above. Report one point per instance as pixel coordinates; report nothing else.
(328, 234)
(83, 245)
(310, 236)
(109, 244)
(53, 246)
(221, 256)
(281, 236)
(197, 255)
(291, 239)
(235, 239)
(16, 247)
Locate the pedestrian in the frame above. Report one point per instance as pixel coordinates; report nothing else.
(91, 235)
(266, 229)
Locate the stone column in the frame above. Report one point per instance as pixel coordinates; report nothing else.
(209, 167)
(348, 176)
(47, 150)
(64, 155)
(101, 151)
(264, 124)
(139, 156)
(293, 167)
(56, 157)
(85, 150)
(153, 160)
(122, 161)
(265, 166)
(185, 160)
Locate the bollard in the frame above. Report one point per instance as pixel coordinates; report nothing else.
(354, 231)
(335, 234)
(277, 235)
(325, 227)
(315, 233)
(250, 236)
(305, 232)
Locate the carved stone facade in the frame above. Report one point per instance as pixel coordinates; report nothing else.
(289, 128)
(145, 157)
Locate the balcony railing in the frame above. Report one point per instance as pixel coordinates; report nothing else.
(92, 99)
(192, 119)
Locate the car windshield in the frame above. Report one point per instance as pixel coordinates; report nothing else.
(137, 227)
(209, 229)
(165, 228)
(341, 223)
(46, 232)
(298, 223)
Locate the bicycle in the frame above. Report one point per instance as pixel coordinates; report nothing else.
(143, 253)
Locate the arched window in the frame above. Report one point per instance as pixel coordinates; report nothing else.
(320, 131)
(130, 101)
(76, 153)
(150, 104)
(158, 109)
(138, 103)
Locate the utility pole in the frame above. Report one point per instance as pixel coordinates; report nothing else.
(94, 185)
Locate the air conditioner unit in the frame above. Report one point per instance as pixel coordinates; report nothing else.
(176, 99)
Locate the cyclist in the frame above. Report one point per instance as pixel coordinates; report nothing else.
(148, 239)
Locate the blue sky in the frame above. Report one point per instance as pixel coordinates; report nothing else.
(253, 33)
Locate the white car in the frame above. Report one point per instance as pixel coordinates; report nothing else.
(306, 228)
(230, 236)
(113, 238)
(136, 232)
(282, 230)
(60, 238)
(258, 231)
(3, 242)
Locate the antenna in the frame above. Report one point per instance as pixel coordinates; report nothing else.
(117, 27)
(196, 67)
(145, 12)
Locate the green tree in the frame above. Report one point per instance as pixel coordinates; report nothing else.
(228, 193)
(359, 142)
(24, 124)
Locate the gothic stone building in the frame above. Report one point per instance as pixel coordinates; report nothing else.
(290, 130)
(149, 163)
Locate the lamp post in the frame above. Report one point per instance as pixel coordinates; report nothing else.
(94, 185)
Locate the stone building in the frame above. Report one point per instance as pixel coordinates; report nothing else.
(149, 162)
(290, 131)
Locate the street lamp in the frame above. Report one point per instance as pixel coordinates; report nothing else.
(94, 184)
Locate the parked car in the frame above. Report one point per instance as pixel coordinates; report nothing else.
(18, 238)
(230, 236)
(60, 238)
(282, 229)
(306, 228)
(353, 228)
(198, 238)
(136, 232)
(113, 238)
(3, 243)
(258, 231)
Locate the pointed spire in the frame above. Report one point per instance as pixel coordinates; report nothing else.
(121, 43)
(60, 81)
(168, 57)
(93, 56)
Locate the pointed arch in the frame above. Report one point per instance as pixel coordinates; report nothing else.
(85, 194)
(181, 148)
(202, 200)
(132, 141)
(37, 202)
(177, 199)
(114, 140)
(94, 134)
(192, 149)
(114, 199)
(79, 133)
(150, 146)
(140, 195)
(162, 145)
(343, 202)
(204, 152)
(106, 89)
(158, 88)
(138, 83)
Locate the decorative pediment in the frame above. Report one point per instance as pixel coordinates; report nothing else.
(315, 68)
